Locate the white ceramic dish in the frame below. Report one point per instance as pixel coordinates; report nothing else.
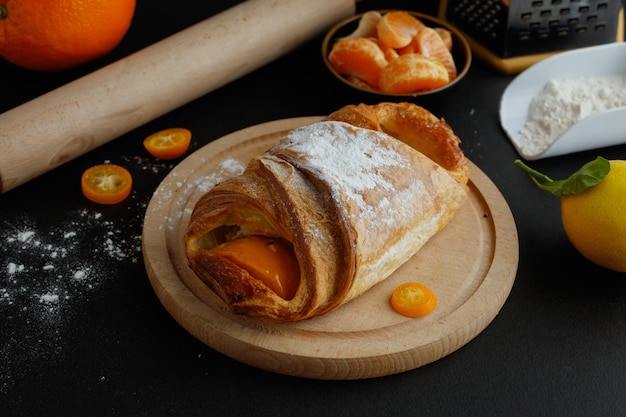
(599, 130)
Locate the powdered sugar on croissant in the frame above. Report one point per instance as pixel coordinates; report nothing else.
(413, 125)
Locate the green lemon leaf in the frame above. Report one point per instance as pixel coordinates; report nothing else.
(587, 176)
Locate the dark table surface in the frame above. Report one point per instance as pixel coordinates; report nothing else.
(107, 346)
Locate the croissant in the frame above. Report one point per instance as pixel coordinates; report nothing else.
(328, 212)
(415, 126)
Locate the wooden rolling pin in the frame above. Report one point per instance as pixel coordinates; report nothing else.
(67, 122)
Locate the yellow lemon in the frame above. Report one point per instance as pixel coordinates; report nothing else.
(595, 219)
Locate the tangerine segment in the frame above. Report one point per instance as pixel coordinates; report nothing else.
(411, 48)
(431, 45)
(357, 82)
(390, 53)
(397, 29)
(412, 73)
(271, 261)
(106, 184)
(368, 25)
(446, 37)
(358, 57)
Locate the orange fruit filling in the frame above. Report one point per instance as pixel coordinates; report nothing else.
(270, 260)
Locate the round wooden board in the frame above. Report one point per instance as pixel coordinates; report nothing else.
(470, 265)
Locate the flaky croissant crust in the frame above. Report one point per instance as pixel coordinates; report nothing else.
(263, 190)
(347, 236)
(415, 126)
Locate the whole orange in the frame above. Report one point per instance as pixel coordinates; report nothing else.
(54, 35)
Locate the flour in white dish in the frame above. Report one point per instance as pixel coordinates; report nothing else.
(563, 103)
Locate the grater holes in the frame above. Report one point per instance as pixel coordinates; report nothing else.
(562, 32)
(548, 18)
(543, 34)
(518, 27)
(483, 18)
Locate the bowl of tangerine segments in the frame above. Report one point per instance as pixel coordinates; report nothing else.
(396, 53)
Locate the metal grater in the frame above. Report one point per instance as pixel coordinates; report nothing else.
(513, 34)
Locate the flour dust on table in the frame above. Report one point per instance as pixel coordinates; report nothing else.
(45, 306)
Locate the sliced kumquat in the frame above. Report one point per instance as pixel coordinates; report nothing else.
(368, 25)
(106, 184)
(413, 299)
(411, 73)
(359, 57)
(397, 29)
(169, 143)
(431, 45)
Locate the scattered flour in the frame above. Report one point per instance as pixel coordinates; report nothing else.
(47, 271)
(149, 164)
(163, 196)
(46, 274)
(54, 256)
(563, 103)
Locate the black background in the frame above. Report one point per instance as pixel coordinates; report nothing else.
(108, 347)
